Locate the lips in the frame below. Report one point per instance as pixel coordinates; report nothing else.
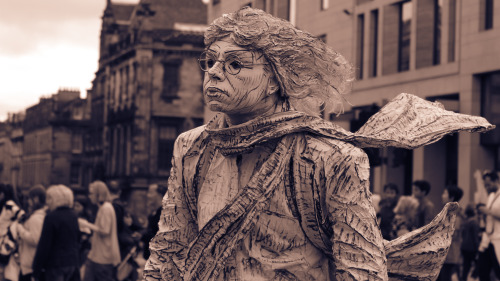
(214, 92)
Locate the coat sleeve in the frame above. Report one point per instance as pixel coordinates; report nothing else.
(357, 244)
(44, 246)
(34, 229)
(176, 226)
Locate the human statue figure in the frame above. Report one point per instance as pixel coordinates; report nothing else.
(268, 190)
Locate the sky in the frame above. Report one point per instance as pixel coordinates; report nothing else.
(46, 45)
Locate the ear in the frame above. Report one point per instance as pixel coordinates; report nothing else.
(272, 87)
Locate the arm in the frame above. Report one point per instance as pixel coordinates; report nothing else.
(176, 226)
(357, 243)
(103, 220)
(34, 224)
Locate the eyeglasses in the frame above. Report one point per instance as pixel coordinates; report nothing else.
(232, 64)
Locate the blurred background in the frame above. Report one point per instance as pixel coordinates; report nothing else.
(142, 86)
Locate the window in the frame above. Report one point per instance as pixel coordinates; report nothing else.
(451, 29)
(324, 4)
(260, 4)
(74, 173)
(283, 9)
(166, 139)
(360, 33)
(486, 16)
(436, 58)
(372, 72)
(490, 106)
(171, 75)
(405, 16)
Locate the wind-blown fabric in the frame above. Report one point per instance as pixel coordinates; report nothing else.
(320, 169)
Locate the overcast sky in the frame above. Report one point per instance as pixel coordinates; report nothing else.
(46, 45)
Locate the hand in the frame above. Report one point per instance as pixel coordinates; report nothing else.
(483, 210)
(83, 223)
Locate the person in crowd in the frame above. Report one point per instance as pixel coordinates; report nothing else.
(268, 190)
(404, 216)
(10, 214)
(82, 210)
(386, 213)
(425, 211)
(470, 240)
(154, 199)
(104, 253)
(452, 193)
(128, 239)
(57, 253)
(489, 247)
(29, 232)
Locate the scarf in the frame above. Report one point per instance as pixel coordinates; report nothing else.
(406, 122)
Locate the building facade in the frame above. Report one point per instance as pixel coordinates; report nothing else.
(11, 150)
(146, 91)
(53, 133)
(440, 50)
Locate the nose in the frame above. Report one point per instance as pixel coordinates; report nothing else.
(217, 71)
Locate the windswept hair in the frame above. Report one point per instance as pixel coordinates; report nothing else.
(311, 75)
(61, 195)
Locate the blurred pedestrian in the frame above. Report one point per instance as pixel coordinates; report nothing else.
(104, 253)
(425, 210)
(452, 262)
(81, 206)
(56, 257)
(470, 240)
(127, 239)
(404, 216)
(29, 232)
(386, 209)
(10, 213)
(154, 198)
(489, 248)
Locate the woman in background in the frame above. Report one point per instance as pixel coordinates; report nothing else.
(57, 255)
(29, 232)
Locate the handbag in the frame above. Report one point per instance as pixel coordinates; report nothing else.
(125, 268)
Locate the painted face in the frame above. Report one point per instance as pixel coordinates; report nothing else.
(236, 82)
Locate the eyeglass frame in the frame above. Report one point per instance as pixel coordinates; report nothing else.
(223, 62)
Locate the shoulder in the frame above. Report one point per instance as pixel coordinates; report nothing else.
(107, 208)
(334, 154)
(186, 139)
(327, 147)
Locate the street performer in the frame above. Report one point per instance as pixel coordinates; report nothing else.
(268, 190)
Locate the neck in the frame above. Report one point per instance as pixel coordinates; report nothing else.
(272, 105)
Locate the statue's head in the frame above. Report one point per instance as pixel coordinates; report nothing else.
(308, 74)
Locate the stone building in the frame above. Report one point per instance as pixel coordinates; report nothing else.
(440, 50)
(52, 150)
(147, 90)
(11, 149)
